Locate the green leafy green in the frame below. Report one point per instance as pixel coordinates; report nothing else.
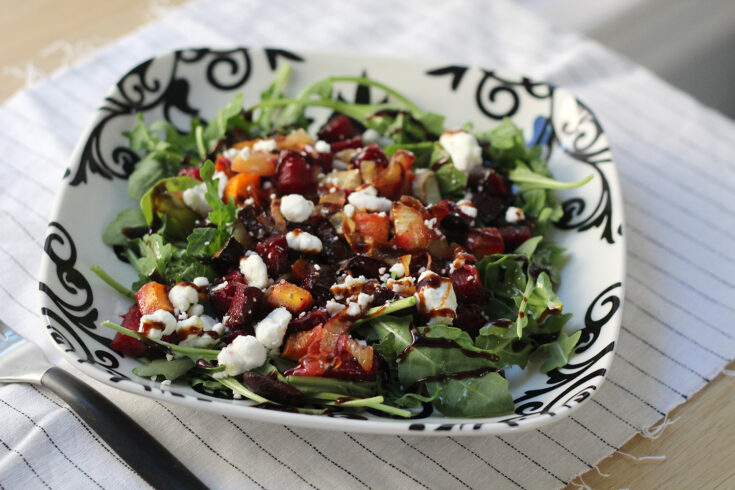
(127, 218)
(452, 181)
(229, 117)
(171, 370)
(481, 396)
(165, 198)
(319, 384)
(527, 179)
(206, 241)
(506, 144)
(422, 151)
(559, 351)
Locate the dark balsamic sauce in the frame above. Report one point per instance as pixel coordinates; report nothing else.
(419, 340)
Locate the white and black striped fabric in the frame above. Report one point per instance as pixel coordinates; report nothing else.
(675, 160)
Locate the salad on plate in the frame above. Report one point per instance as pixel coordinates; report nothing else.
(379, 262)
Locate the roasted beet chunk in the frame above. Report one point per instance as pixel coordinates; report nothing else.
(467, 285)
(485, 241)
(245, 307)
(272, 389)
(355, 142)
(489, 208)
(293, 174)
(487, 181)
(228, 256)
(310, 320)
(222, 292)
(469, 320)
(361, 265)
(455, 227)
(128, 345)
(274, 252)
(371, 152)
(513, 236)
(337, 129)
(258, 225)
(317, 279)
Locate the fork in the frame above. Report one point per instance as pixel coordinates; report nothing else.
(21, 361)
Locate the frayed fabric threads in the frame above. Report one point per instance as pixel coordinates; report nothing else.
(581, 485)
(643, 459)
(729, 372)
(655, 431)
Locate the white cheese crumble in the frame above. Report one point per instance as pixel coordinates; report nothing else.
(333, 307)
(348, 287)
(514, 215)
(402, 287)
(364, 300)
(296, 208)
(243, 354)
(182, 297)
(354, 309)
(463, 148)
(200, 282)
(195, 310)
(150, 325)
(192, 330)
(194, 196)
(230, 153)
(267, 146)
(349, 210)
(254, 270)
(322, 147)
(468, 208)
(368, 199)
(302, 241)
(271, 329)
(435, 301)
(398, 270)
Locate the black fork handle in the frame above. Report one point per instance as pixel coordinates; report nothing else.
(153, 462)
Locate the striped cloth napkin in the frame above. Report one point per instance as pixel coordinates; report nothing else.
(674, 157)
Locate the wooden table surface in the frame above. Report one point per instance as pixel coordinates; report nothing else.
(698, 448)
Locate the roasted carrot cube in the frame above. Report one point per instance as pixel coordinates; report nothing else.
(257, 163)
(153, 296)
(240, 187)
(291, 297)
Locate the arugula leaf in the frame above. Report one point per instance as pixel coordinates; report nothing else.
(527, 179)
(161, 261)
(506, 144)
(206, 241)
(227, 118)
(127, 218)
(171, 370)
(503, 342)
(528, 247)
(165, 198)
(559, 351)
(422, 150)
(452, 181)
(482, 396)
(318, 384)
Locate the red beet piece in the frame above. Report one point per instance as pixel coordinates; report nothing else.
(467, 285)
(350, 369)
(128, 345)
(246, 305)
(337, 129)
(293, 174)
(485, 241)
(370, 152)
(469, 320)
(274, 252)
(513, 236)
(222, 292)
(191, 172)
(308, 321)
(355, 142)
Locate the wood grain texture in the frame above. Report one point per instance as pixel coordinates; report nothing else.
(698, 448)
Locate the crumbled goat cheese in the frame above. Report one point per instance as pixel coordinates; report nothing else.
(348, 287)
(271, 329)
(157, 324)
(430, 223)
(463, 148)
(230, 153)
(195, 310)
(182, 297)
(191, 332)
(200, 282)
(296, 208)
(243, 354)
(349, 210)
(322, 147)
(333, 307)
(194, 196)
(438, 303)
(468, 208)
(402, 287)
(302, 241)
(244, 153)
(364, 300)
(514, 215)
(354, 309)
(398, 270)
(254, 270)
(267, 146)
(368, 199)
